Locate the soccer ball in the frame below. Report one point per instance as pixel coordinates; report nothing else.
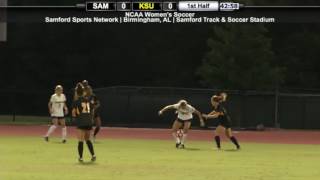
(180, 133)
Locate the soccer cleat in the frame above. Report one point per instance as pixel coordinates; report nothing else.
(94, 158)
(178, 145)
(46, 138)
(182, 146)
(64, 141)
(80, 160)
(238, 148)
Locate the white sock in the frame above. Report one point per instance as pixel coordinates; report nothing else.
(184, 138)
(176, 138)
(64, 133)
(51, 130)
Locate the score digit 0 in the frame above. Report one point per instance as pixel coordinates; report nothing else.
(123, 6)
(169, 6)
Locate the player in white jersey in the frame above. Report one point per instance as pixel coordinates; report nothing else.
(185, 115)
(58, 109)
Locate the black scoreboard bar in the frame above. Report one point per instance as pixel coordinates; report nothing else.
(131, 6)
(150, 5)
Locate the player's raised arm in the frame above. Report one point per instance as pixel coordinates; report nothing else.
(166, 108)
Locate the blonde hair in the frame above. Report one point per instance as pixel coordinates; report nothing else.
(182, 101)
(58, 88)
(224, 96)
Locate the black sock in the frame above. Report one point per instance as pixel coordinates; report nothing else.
(235, 141)
(80, 148)
(90, 147)
(217, 138)
(96, 130)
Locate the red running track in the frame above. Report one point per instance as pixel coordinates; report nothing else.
(269, 136)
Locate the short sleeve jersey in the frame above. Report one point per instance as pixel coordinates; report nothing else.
(184, 113)
(84, 111)
(222, 109)
(57, 105)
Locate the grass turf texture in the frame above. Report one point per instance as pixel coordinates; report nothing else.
(29, 158)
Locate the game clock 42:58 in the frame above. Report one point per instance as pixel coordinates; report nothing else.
(229, 6)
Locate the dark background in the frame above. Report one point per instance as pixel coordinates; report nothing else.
(281, 57)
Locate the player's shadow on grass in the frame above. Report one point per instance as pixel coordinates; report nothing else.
(192, 149)
(87, 163)
(231, 150)
(57, 142)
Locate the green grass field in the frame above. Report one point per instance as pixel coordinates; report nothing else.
(30, 158)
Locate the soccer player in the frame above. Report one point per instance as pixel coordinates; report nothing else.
(58, 109)
(96, 109)
(185, 114)
(82, 111)
(224, 121)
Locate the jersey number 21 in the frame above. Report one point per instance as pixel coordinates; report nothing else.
(85, 107)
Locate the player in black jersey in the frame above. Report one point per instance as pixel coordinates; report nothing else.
(82, 111)
(224, 121)
(96, 109)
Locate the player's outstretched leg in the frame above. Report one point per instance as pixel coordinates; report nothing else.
(96, 131)
(232, 138)
(91, 149)
(64, 134)
(63, 130)
(186, 128)
(90, 145)
(50, 131)
(176, 138)
(217, 139)
(98, 127)
(235, 142)
(175, 127)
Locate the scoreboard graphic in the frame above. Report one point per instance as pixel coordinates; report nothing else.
(162, 6)
(156, 11)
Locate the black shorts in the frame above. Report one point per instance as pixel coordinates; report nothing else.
(183, 121)
(88, 128)
(225, 123)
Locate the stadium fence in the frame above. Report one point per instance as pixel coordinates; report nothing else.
(139, 106)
